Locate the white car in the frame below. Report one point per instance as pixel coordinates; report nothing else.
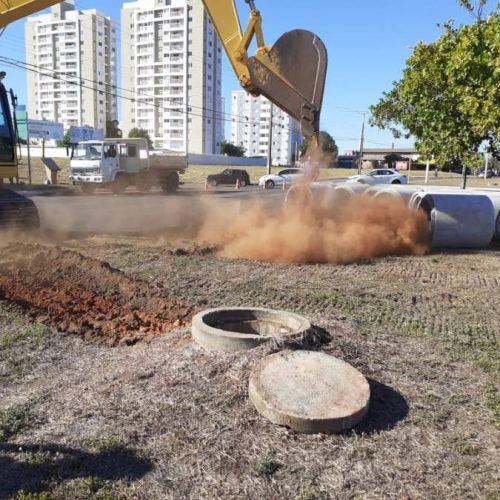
(288, 175)
(380, 176)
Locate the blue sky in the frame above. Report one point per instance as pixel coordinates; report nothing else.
(367, 41)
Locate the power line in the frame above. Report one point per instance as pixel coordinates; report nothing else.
(240, 119)
(22, 65)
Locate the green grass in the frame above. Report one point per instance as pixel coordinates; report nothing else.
(14, 419)
(307, 494)
(491, 397)
(267, 466)
(16, 328)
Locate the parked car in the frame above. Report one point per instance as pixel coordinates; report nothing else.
(457, 170)
(229, 176)
(380, 176)
(288, 175)
(480, 173)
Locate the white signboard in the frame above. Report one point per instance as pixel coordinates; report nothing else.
(41, 129)
(79, 134)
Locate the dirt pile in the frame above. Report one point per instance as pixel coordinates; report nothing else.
(83, 296)
(305, 232)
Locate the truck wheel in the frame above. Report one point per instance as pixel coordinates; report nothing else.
(87, 188)
(243, 183)
(171, 183)
(119, 185)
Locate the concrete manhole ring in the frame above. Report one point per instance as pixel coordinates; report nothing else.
(309, 391)
(241, 328)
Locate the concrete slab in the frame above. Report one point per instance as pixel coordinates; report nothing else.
(309, 391)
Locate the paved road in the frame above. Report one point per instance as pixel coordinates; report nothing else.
(135, 213)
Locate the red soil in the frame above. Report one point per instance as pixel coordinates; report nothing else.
(84, 296)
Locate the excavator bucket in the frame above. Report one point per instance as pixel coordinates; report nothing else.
(292, 76)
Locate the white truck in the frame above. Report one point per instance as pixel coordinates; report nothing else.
(120, 163)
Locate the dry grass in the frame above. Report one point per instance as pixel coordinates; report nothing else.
(194, 174)
(170, 420)
(197, 174)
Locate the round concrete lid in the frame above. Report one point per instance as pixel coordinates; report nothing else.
(309, 391)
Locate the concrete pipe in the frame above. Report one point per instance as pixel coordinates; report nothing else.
(458, 220)
(349, 190)
(326, 195)
(403, 193)
(494, 196)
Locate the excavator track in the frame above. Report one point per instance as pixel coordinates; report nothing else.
(17, 211)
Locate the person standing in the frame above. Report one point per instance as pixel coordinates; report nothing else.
(311, 170)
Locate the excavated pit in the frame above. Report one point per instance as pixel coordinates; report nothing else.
(86, 297)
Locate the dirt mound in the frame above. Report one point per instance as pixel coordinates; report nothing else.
(87, 297)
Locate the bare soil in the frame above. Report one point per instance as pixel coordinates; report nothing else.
(168, 419)
(83, 296)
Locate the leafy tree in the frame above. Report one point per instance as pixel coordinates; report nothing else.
(140, 133)
(392, 158)
(449, 93)
(230, 149)
(112, 129)
(327, 145)
(65, 142)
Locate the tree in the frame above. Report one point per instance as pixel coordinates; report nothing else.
(392, 158)
(65, 142)
(449, 93)
(140, 133)
(112, 129)
(230, 149)
(328, 149)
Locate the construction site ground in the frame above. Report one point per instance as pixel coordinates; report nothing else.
(88, 410)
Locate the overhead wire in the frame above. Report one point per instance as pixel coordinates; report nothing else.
(121, 29)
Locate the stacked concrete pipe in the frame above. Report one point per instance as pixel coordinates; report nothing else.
(494, 196)
(398, 192)
(457, 220)
(326, 194)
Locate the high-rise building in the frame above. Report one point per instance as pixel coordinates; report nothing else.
(171, 68)
(250, 127)
(72, 57)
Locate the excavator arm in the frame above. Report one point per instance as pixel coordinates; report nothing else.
(12, 10)
(291, 73)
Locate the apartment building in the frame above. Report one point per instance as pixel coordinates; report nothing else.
(250, 124)
(73, 57)
(171, 74)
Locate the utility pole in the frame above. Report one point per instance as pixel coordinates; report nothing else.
(270, 145)
(361, 145)
(28, 146)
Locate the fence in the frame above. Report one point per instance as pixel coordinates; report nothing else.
(194, 159)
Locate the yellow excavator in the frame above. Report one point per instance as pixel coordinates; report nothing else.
(15, 210)
(291, 74)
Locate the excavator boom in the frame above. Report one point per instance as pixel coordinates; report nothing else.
(12, 10)
(291, 73)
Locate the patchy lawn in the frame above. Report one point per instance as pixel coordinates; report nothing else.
(167, 419)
